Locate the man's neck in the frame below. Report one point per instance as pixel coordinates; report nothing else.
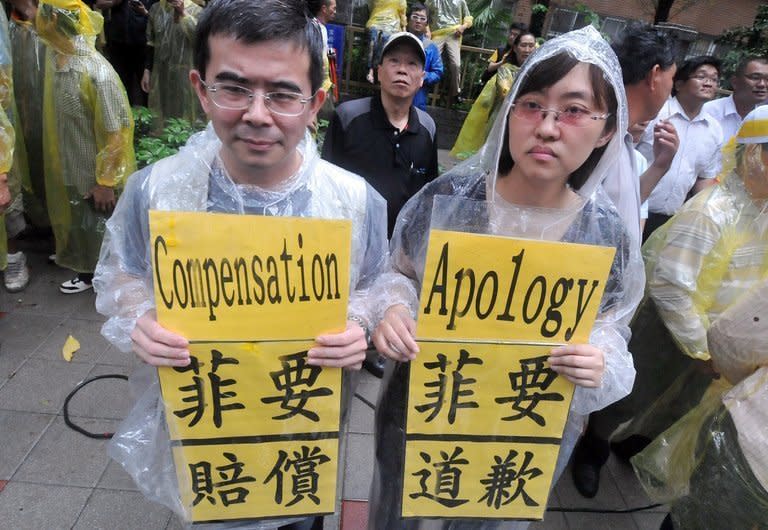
(691, 106)
(397, 110)
(743, 107)
(634, 108)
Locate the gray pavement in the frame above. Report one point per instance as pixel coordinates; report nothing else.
(52, 477)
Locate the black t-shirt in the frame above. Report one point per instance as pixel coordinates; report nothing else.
(396, 163)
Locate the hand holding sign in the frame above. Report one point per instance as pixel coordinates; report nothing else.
(395, 335)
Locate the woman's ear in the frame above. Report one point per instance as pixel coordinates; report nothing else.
(604, 139)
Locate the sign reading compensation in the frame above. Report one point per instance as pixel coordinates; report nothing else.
(254, 429)
(215, 272)
(486, 412)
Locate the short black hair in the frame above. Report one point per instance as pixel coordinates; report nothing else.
(418, 6)
(639, 48)
(545, 74)
(315, 6)
(519, 26)
(253, 22)
(742, 66)
(688, 67)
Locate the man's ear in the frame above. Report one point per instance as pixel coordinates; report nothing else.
(653, 78)
(202, 93)
(317, 102)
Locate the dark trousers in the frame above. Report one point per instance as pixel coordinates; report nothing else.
(128, 62)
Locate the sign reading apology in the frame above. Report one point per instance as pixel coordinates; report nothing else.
(254, 429)
(486, 412)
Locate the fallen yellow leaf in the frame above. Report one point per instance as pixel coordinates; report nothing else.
(71, 345)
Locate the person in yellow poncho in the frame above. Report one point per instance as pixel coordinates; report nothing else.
(88, 135)
(16, 276)
(481, 116)
(449, 20)
(170, 38)
(387, 17)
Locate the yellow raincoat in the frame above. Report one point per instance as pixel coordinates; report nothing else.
(7, 139)
(171, 95)
(387, 15)
(88, 129)
(29, 60)
(481, 116)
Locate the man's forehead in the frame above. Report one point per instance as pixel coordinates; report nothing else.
(756, 66)
(263, 59)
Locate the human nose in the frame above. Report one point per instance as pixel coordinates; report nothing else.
(547, 127)
(257, 111)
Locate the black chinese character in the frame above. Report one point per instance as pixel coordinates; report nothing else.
(296, 373)
(304, 478)
(504, 477)
(533, 376)
(458, 380)
(203, 486)
(198, 390)
(447, 479)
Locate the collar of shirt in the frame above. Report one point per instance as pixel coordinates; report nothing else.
(676, 108)
(381, 121)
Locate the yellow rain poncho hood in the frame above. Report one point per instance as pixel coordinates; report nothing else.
(61, 22)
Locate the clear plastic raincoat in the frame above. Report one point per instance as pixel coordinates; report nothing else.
(483, 113)
(171, 94)
(465, 199)
(446, 16)
(87, 128)
(18, 174)
(195, 180)
(387, 16)
(712, 462)
(29, 60)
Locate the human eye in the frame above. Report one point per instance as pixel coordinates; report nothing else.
(528, 105)
(232, 90)
(284, 97)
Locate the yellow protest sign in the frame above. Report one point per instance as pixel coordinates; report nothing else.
(254, 428)
(486, 413)
(248, 277)
(489, 287)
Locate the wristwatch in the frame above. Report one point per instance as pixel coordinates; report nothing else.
(362, 323)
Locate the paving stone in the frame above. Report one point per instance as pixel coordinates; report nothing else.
(103, 398)
(25, 333)
(85, 307)
(42, 386)
(41, 507)
(174, 524)
(124, 509)
(116, 478)
(2, 485)
(87, 333)
(20, 432)
(65, 457)
(115, 357)
(361, 417)
(552, 521)
(631, 490)
(42, 296)
(593, 521)
(358, 467)
(649, 520)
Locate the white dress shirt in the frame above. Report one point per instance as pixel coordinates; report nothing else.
(698, 156)
(725, 113)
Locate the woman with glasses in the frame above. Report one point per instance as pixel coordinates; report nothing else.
(483, 113)
(538, 177)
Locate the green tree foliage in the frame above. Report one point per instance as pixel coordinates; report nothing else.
(746, 40)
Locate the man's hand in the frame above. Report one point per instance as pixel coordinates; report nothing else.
(178, 8)
(582, 364)
(5, 192)
(665, 144)
(103, 197)
(395, 335)
(340, 350)
(156, 345)
(145, 81)
(460, 30)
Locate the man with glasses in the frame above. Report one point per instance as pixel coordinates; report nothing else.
(258, 71)
(750, 90)
(697, 161)
(433, 64)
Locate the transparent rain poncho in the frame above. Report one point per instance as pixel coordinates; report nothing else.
(195, 180)
(708, 273)
(7, 139)
(87, 128)
(29, 57)
(171, 94)
(387, 16)
(464, 199)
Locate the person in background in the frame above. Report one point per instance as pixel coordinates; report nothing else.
(418, 20)
(170, 38)
(88, 142)
(387, 17)
(697, 161)
(750, 89)
(499, 56)
(449, 20)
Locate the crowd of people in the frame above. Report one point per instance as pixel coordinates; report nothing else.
(575, 140)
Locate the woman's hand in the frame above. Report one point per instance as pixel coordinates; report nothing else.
(582, 364)
(394, 337)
